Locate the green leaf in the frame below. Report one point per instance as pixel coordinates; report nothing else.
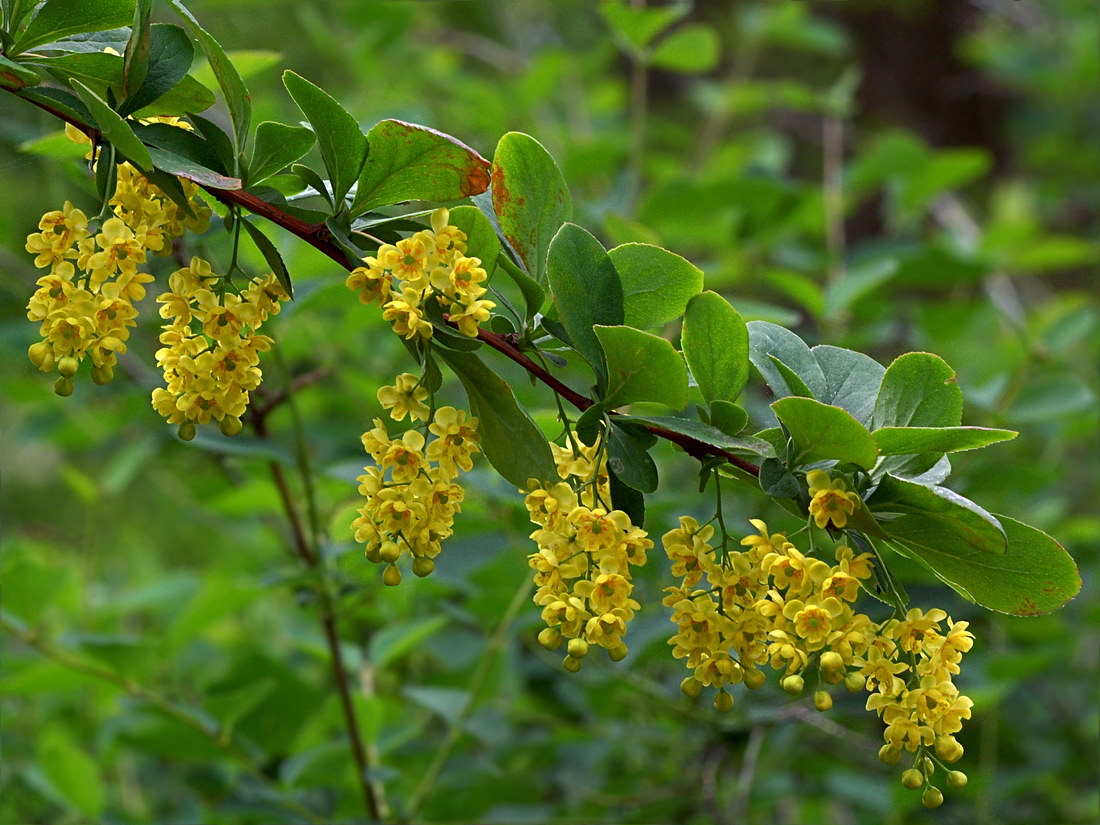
(410, 162)
(657, 284)
(54, 145)
(277, 146)
(637, 26)
(716, 345)
(237, 98)
(511, 441)
(170, 56)
(271, 255)
(114, 129)
(704, 433)
(728, 417)
(95, 41)
(795, 384)
(342, 143)
(136, 56)
(1034, 575)
(229, 706)
(769, 339)
(629, 461)
(852, 380)
(626, 498)
(691, 48)
(71, 772)
(586, 291)
(534, 296)
(58, 18)
(185, 98)
(62, 100)
(918, 390)
(481, 239)
(777, 481)
(962, 518)
(530, 199)
(398, 639)
(15, 76)
(641, 367)
(908, 440)
(186, 168)
(822, 432)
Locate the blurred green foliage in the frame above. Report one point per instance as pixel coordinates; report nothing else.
(163, 659)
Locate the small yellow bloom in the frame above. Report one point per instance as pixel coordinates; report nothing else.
(405, 397)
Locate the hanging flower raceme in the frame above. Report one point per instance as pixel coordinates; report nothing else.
(431, 265)
(411, 491)
(85, 304)
(585, 554)
(211, 353)
(771, 605)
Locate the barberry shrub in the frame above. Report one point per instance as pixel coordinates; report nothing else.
(856, 452)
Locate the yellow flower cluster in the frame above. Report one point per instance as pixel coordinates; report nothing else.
(585, 552)
(403, 277)
(211, 346)
(769, 605)
(772, 605)
(85, 304)
(411, 494)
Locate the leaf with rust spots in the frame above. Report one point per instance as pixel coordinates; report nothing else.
(409, 162)
(530, 199)
(1034, 575)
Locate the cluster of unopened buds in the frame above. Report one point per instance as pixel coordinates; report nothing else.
(585, 554)
(403, 279)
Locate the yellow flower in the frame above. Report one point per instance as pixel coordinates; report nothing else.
(830, 502)
(405, 397)
(456, 440)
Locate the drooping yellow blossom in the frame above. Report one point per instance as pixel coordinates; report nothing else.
(431, 265)
(211, 347)
(831, 502)
(585, 552)
(405, 397)
(411, 494)
(85, 304)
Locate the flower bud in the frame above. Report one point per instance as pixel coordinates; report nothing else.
(926, 766)
(186, 430)
(822, 700)
(723, 702)
(889, 754)
(230, 425)
(41, 355)
(691, 687)
(389, 552)
(618, 653)
(832, 677)
(423, 566)
(754, 679)
(550, 638)
(948, 749)
(571, 664)
(912, 779)
(391, 576)
(373, 553)
(931, 798)
(68, 366)
(63, 386)
(855, 682)
(956, 780)
(792, 684)
(577, 648)
(831, 660)
(103, 374)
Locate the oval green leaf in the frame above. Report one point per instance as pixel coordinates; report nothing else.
(641, 367)
(910, 440)
(342, 143)
(822, 432)
(657, 284)
(716, 345)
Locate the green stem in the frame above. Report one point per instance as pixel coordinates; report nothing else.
(477, 681)
(220, 737)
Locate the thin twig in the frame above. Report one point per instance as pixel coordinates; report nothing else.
(318, 236)
(373, 793)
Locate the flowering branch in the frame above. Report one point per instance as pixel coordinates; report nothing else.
(319, 237)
